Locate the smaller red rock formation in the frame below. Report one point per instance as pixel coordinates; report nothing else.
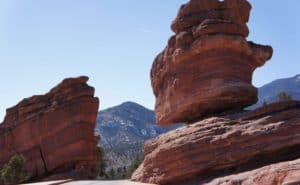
(207, 66)
(54, 132)
(220, 146)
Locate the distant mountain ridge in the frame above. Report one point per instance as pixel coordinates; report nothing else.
(124, 129)
(270, 91)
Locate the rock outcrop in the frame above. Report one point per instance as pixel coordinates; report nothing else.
(54, 132)
(285, 173)
(207, 65)
(219, 146)
(204, 78)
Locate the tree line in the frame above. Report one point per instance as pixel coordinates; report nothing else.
(125, 172)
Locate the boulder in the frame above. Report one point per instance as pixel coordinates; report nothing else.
(54, 132)
(207, 66)
(221, 146)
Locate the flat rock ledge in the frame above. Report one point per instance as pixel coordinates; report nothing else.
(221, 146)
(285, 173)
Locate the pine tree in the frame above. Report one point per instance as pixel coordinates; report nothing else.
(103, 165)
(134, 165)
(14, 172)
(264, 103)
(283, 96)
(112, 174)
(124, 172)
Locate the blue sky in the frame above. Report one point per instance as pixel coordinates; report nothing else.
(114, 43)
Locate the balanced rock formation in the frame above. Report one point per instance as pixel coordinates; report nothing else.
(54, 132)
(204, 78)
(220, 146)
(207, 66)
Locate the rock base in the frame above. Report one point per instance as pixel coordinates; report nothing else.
(221, 146)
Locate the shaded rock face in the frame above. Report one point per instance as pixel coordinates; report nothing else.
(54, 132)
(207, 66)
(221, 146)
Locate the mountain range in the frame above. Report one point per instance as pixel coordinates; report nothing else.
(125, 128)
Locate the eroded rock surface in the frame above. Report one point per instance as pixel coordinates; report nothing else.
(205, 73)
(54, 132)
(220, 146)
(207, 66)
(285, 173)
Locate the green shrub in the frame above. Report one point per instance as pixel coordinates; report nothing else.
(14, 172)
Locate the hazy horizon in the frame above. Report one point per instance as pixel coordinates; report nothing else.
(43, 42)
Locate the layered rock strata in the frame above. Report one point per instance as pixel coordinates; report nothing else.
(285, 173)
(54, 132)
(220, 146)
(207, 65)
(205, 73)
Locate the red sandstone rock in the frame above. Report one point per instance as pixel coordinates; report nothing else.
(55, 131)
(286, 173)
(219, 146)
(207, 66)
(196, 11)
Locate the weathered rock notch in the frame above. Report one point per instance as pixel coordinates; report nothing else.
(207, 65)
(54, 132)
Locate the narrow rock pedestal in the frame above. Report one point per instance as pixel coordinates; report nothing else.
(207, 66)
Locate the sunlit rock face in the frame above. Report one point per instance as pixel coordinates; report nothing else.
(204, 77)
(217, 147)
(54, 132)
(207, 66)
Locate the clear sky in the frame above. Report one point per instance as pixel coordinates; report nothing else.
(114, 42)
